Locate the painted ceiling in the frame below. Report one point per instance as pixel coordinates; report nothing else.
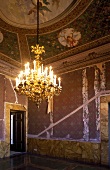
(23, 13)
(66, 28)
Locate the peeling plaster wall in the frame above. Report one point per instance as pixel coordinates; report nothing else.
(78, 87)
(2, 97)
(78, 137)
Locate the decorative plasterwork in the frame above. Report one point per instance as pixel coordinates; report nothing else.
(85, 108)
(97, 101)
(11, 68)
(99, 44)
(84, 59)
(8, 66)
(9, 60)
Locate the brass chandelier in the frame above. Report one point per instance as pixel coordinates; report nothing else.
(38, 83)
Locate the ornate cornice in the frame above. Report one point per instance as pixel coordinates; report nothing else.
(92, 59)
(9, 60)
(8, 66)
(79, 49)
(87, 58)
(82, 60)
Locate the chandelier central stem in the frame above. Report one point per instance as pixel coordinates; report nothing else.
(37, 21)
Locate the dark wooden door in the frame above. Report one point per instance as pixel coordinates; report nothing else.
(17, 131)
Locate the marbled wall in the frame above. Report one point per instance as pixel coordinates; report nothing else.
(78, 151)
(105, 129)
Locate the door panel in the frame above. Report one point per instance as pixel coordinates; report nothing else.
(17, 142)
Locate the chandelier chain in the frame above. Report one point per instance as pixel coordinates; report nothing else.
(37, 21)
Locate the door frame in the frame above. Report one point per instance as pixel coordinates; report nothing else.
(23, 132)
(13, 106)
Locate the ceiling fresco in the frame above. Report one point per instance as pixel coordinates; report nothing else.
(89, 30)
(78, 27)
(23, 13)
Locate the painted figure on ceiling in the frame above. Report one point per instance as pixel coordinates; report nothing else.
(42, 7)
(23, 13)
(69, 37)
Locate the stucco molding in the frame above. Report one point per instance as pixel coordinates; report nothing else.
(82, 60)
(99, 43)
(9, 69)
(76, 58)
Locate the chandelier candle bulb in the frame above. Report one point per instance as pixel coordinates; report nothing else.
(50, 68)
(27, 72)
(46, 69)
(19, 78)
(55, 80)
(51, 76)
(23, 82)
(34, 65)
(17, 82)
(27, 66)
(21, 75)
(32, 71)
(42, 68)
(40, 71)
(59, 80)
